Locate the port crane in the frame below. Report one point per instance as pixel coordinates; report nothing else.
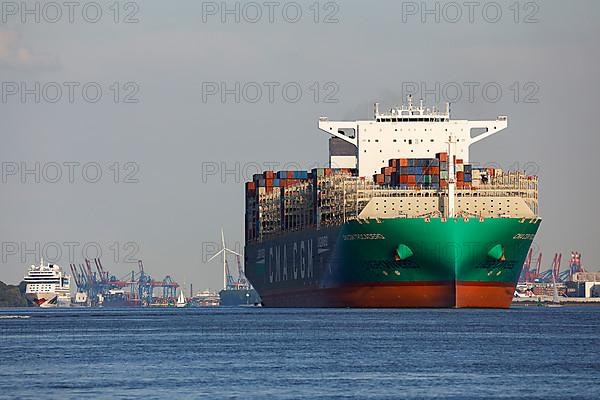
(529, 274)
(139, 285)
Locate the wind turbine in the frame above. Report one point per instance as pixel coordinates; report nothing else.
(224, 250)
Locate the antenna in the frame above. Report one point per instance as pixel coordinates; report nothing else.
(223, 252)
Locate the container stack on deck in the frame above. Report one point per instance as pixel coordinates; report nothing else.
(425, 173)
(287, 201)
(293, 200)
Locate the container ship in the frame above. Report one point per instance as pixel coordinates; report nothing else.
(400, 219)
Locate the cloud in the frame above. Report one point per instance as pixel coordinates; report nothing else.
(15, 54)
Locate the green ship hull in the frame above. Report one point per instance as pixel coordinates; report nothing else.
(404, 262)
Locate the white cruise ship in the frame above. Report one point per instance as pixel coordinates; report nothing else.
(47, 286)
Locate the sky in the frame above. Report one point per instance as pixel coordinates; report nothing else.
(129, 128)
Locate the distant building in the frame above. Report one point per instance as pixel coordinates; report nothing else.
(584, 284)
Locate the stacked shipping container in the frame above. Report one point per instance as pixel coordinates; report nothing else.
(294, 200)
(430, 173)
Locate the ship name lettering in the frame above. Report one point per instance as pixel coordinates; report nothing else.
(524, 236)
(302, 260)
(294, 265)
(279, 268)
(278, 264)
(364, 236)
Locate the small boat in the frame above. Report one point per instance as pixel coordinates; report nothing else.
(555, 299)
(181, 301)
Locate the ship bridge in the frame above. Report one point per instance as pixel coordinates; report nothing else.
(408, 131)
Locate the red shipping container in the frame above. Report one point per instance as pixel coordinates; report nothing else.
(460, 176)
(411, 178)
(443, 183)
(250, 186)
(435, 170)
(269, 174)
(403, 178)
(268, 182)
(442, 156)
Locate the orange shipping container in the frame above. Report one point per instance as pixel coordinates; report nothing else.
(442, 156)
(404, 162)
(379, 179)
(411, 179)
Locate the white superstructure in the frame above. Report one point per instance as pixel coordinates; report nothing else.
(405, 132)
(47, 285)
